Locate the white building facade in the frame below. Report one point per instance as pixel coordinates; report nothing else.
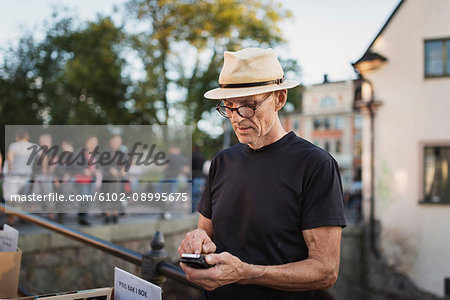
(407, 67)
(329, 120)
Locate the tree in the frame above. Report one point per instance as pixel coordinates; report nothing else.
(92, 80)
(21, 100)
(73, 76)
(181, 47)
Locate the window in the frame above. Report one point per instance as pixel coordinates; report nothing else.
(338, 146)
(327, 146)
(316, 124)
(437, 58)
(358, 174)
(296, 125)
(358, 147)
(339, 123)
(436, 174)
(326, 123)
(328, 102)
(358, 121)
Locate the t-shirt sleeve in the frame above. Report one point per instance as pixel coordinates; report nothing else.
(205, 206)
(12, 148)
(323, 203)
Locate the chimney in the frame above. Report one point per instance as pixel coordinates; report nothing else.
(325, 78)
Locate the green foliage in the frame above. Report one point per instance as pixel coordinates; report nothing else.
(92, 79)
(73, 76)
(292, 70)
(187, 38)
(76, 73)
(20, 96)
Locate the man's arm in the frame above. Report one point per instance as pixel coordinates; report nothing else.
(318, 271)
(200, 239)
(9, 159)
(206, 225)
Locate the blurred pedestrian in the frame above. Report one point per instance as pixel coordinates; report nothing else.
(43, 174)
(17, 175)
(85, 178)
(198, 180)
(64, 180)
(113, 182)
(174, 178)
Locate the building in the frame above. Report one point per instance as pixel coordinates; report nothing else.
(406, 71)
(329, 120)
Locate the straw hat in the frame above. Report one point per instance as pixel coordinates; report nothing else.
(248, 72)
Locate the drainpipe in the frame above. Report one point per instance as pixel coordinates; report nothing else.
(371, 106)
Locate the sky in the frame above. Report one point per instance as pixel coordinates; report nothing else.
(324, 36)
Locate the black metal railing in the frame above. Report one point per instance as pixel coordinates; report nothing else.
(22, 292)
(154, 265)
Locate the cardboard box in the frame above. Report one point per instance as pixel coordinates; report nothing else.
(9, 273)
(93, 294)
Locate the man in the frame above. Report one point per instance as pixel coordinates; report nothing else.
(113, 179)
(272, 213)
(43, 176)
(87, 178)
(18, 172)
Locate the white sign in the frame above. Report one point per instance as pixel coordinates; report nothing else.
(130, 287)
(8, 239)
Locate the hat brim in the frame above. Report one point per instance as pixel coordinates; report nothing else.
(226, 93)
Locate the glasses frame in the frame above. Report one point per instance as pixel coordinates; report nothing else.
(254, 108)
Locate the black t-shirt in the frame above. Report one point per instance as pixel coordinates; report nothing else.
(260, 200)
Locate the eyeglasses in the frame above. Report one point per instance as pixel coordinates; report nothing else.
(244, 111)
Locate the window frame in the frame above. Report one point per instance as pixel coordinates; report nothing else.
(422, 183)
(444, 57)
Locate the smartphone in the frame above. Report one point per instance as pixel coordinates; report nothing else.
(195, 261)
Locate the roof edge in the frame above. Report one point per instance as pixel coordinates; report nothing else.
(394, 12)
(369, 56)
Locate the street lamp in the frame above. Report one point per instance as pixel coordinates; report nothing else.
(370, 105)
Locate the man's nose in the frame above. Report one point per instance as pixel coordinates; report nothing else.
(235, 117)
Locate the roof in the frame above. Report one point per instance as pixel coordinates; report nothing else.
(369, 54)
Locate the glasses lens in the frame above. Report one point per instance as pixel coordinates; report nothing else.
(224, 111)
(246, 112)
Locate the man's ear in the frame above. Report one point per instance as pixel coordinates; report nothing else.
(281, 98)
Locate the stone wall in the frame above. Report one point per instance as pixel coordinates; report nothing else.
(54, 263)
(366, 276)
(350, 280)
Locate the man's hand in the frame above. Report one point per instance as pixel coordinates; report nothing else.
(227, 269)
(197, 241)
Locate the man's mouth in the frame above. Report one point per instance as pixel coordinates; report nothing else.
(243, 129)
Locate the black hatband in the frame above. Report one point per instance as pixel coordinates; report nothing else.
(251, 84)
